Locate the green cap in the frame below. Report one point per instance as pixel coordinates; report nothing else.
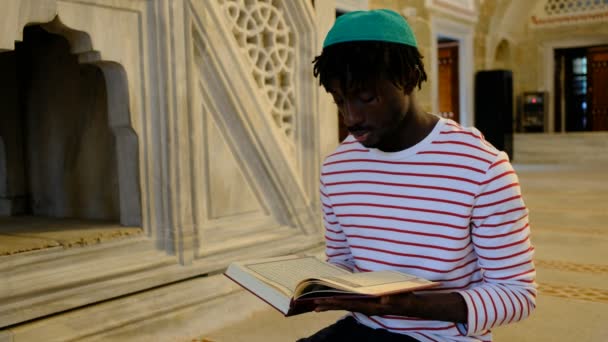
(375, 25)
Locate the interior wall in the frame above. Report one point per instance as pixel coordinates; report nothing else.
(502, 56)
(535, 58)
(531, 53)
(419, 20)
(69, 151)
(328, 122)
(531, 44)
(13, 188)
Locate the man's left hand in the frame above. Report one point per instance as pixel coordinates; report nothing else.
(386, 305)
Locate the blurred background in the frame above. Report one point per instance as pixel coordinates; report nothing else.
(147, 144)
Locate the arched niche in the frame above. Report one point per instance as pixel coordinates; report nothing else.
(69, 147)
(502, 55)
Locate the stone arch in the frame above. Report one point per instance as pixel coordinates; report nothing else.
(122, 160)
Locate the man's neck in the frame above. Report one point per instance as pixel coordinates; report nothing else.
(421, 126)
(416, 126)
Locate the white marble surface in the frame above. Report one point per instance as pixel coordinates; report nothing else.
(183, 144)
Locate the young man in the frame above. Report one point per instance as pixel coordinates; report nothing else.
(410, 191)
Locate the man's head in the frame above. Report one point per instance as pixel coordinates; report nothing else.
(371, 64)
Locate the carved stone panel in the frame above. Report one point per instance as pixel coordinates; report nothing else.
(555, 13)
(210, 142)
(249, 178)
(263, 35)
(229, 188)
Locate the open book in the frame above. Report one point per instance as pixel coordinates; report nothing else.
(291, 283)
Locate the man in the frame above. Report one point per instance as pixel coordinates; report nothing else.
(411, 191)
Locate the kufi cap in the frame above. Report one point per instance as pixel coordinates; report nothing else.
(376, 25)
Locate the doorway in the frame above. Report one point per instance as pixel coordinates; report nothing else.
(597, 60)
(447, 66)
(581, 89)
(456, 93)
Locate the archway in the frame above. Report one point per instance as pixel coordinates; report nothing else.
(502, 56)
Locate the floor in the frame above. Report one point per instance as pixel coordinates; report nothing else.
(569, 218)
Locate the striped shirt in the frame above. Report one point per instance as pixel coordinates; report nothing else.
(448, 209)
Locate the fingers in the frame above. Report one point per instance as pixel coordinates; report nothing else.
(328, 304)
(385, 305)
(368, 307)
(324, 308)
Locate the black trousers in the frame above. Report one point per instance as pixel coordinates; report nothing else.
(350, 330)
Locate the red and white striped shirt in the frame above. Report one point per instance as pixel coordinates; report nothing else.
(448, 209)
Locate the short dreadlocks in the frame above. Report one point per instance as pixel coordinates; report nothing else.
(357, 63)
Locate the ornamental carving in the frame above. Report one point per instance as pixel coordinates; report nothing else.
(560, 12)
(560, 7)
(261, 32)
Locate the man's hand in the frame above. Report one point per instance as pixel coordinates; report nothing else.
(449, 307)
(386, 305)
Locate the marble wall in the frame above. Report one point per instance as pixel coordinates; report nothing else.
(199, 121)
(195, 120)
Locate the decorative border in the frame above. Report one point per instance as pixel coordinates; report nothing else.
(587, 294)
(571, 266)
(569, 19)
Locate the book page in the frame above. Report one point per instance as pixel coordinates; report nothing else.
(288, 273)
(366, 279)
(379, 282)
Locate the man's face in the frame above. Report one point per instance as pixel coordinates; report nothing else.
(373, 113)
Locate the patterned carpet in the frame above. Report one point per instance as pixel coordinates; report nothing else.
(570, 231)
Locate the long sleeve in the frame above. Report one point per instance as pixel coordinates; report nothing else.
(501, 239)
(448, 209)
(337, 250)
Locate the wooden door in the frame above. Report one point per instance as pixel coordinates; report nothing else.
(448, 80)
(597, 91)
